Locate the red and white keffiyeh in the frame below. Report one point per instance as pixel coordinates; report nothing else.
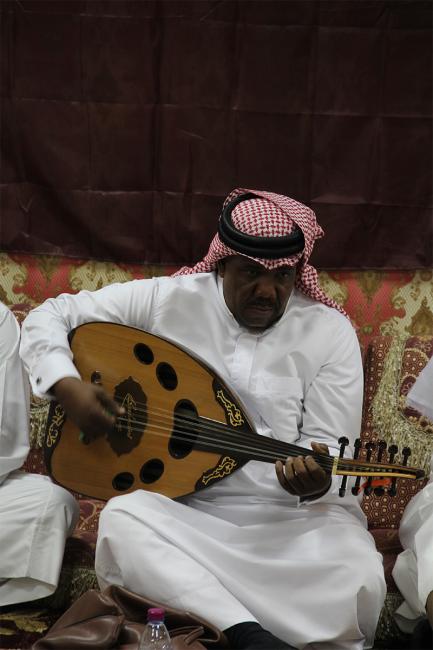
(271, 215)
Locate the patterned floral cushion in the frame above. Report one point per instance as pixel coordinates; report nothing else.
(388, 543)
(78, 573)
(34, 463)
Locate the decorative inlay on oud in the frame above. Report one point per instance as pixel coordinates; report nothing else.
(130, 427)
(224, 468)
(234, 416)
(57, 418)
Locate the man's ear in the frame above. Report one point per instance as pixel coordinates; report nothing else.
(221, 268)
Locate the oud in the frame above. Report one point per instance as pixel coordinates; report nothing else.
(183, 428)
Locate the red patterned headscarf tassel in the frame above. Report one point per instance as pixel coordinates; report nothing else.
(271, 215)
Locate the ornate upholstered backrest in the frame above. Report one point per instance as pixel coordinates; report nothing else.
(392, 365)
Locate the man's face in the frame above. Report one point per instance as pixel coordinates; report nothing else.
(256, 297)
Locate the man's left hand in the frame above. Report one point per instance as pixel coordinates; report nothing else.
(303, 476)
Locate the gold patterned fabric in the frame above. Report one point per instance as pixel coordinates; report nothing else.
(378, 302)
(398, 423)
(391, 367)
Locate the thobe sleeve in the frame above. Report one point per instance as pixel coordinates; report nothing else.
(44, 347)
(333, 400)
(420, 395)
(14, 398)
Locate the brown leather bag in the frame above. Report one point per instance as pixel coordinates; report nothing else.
(116, 618)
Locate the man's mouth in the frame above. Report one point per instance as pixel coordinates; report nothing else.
(261, 306)
(259, 315)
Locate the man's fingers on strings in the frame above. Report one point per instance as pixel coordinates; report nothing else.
(279, 472)
(320, 448)
(111, 407)
(297, 472)
(316, 472)
(292, 475)
(282, 479)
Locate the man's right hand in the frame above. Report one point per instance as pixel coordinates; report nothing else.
(88, 406)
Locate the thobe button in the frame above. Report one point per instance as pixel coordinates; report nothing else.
(38, 380)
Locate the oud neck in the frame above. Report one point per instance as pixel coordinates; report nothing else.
(252, 446)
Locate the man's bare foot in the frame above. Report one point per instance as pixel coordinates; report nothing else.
(429, 608)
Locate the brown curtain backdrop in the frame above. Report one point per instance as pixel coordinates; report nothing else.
(125, 123)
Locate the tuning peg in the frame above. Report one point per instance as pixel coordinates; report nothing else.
(343, 442)
(393, 489)
(381, 450)
(357, 446)
(368, 488)
(370, 447)
(406, 452)
(380, 491)
(392, 451)
(342, 488)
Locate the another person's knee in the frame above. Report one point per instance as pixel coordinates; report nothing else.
(113, 514)
(371, 576)
(63, 501)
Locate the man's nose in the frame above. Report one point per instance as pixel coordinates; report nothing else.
(265, 288)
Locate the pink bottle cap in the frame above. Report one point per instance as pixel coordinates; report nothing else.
(155, 614)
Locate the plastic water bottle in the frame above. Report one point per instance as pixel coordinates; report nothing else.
(155, 635)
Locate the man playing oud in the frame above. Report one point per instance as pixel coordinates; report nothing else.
(274, 557)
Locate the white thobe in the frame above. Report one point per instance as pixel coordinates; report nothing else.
(413, 570)
(35, 515)
(420, 395)
(243, 549)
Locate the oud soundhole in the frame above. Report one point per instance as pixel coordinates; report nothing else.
(152, 470)
(185, 429)
(166, 376)
(143, 353)
(123, 481)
